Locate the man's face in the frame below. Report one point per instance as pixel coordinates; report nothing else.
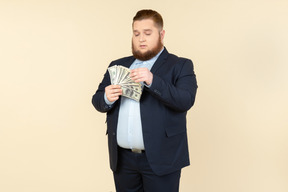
(147, 40)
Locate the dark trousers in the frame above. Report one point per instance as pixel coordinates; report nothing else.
(135, 175)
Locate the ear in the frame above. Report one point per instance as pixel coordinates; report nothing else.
(162, 34)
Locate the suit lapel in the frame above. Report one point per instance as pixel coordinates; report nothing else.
(160, 61)
(129, 62)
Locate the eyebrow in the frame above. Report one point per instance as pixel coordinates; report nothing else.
(145, 30)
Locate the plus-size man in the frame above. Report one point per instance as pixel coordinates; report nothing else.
(147, 139)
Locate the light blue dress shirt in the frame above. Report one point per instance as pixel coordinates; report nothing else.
(129, 128)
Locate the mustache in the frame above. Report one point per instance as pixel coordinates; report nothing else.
(148, 54)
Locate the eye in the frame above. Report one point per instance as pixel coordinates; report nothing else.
(148, 32)
(136, 34)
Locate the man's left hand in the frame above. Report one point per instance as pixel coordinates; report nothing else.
(141, 74)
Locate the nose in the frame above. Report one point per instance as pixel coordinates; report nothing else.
(142, 38)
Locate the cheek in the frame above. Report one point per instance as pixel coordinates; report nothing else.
(156, 39)
(153, 41)
(134, 40)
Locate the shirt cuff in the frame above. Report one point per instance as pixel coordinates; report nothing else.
(148, 86)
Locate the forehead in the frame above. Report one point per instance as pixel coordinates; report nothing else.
(144, 24)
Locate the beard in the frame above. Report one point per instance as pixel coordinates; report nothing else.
(148, 54)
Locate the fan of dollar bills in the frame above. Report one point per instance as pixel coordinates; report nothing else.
(119, 75)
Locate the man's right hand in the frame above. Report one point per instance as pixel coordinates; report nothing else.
(113, 92)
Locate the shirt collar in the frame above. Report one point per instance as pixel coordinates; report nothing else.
(152, 60)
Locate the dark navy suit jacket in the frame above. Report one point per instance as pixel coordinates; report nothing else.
(163, 109)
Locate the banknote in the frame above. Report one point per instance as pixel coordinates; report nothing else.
(119, 75)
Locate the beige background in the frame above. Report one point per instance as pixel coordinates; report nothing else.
(53, 54)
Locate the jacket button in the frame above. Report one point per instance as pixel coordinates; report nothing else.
(114, 133)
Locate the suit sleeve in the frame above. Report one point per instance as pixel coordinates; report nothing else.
(180, 93)
(98, 100)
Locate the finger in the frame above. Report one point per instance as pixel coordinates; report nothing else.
(135, 75)
(132, 73)
(113, 97)
(115, 86)
(115, 92)
(112, 89)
